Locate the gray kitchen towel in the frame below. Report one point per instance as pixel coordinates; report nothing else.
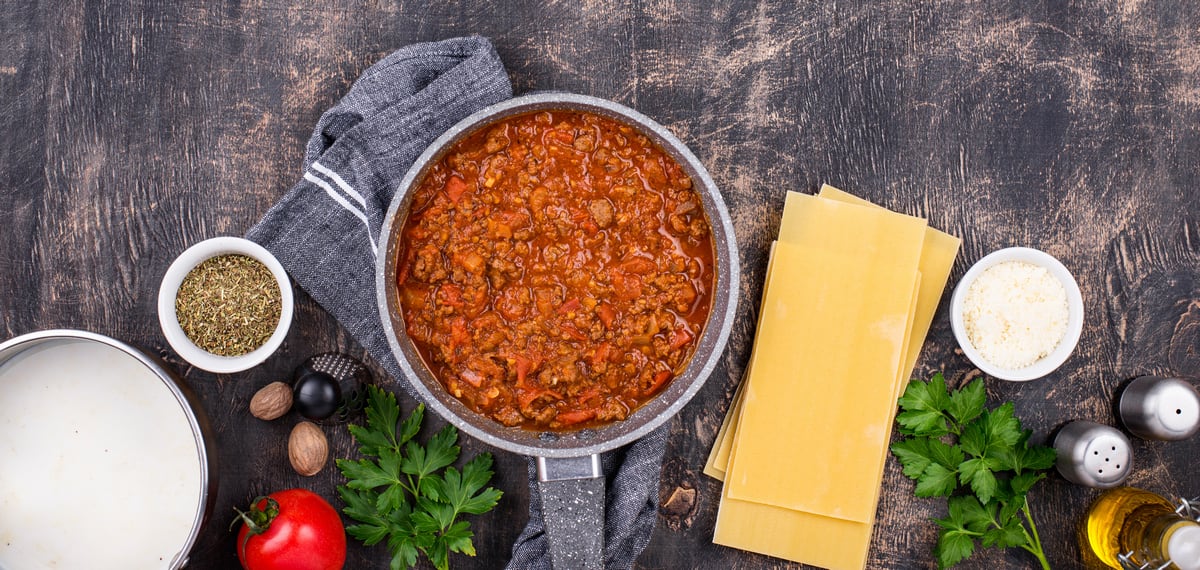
(325, 232)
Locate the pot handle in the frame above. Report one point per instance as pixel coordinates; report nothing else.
(572, 490)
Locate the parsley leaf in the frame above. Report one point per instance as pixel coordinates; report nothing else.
(1003, 428)
(953, 446)
(458, 538)
(936, 481)
(967, 404)
(1038, 457)
(465, 490)
(976, 473)
(954, 545)
(1021, 484)
(1009, 535)
(922, 422)
(970, 513)
(948, 456)
(913, 454)
(922, 405)
(410, 494)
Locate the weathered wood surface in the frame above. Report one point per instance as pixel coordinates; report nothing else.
(137, 128)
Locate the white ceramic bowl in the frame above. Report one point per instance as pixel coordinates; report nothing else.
(179, 269)
(1046, 364)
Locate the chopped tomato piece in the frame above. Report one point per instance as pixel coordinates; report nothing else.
(458, 332)
(680, 337)
(472, 377)
(499, 229)
(573, 332)
(638, 265)
(607, 314)
(592, 392)
(570, 306)
(450, 294)
(527, 397)
(417, 234)
(413, 298)
(659, 379)
(562, 137)
(575, 416)
(601, 354)
(523, 365)
(471, 261)
(626, 286)
(455, 188)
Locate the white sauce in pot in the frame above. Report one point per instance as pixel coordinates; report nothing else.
(99, 467)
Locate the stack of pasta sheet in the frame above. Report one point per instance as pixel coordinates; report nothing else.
(850, 294)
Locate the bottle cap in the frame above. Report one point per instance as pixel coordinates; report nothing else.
(1159, 407)
(1092, 454)
(1183, 547)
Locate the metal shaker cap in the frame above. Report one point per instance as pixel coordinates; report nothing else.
(1159, 407)
(1093, 455)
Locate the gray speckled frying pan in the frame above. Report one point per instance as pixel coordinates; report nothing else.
(570, 480)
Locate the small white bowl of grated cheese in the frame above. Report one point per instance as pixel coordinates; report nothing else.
(1017, 314)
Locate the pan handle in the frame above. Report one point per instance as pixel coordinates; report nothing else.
(572, 490)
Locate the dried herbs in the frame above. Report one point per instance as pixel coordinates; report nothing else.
(229, 305)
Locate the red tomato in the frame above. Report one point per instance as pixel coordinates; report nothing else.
(291, 530)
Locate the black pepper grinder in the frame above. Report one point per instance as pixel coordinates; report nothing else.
(330, 388)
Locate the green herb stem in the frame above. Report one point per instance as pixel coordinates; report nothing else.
(1037, 540)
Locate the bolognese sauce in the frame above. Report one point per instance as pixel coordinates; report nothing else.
(555, 270)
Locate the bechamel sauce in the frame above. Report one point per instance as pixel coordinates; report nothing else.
(99, 468)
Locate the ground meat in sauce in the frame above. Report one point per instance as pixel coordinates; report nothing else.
(556, 270)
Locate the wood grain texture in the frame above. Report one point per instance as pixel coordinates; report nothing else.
(136, 129)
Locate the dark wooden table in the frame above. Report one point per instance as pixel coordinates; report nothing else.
(135, 129)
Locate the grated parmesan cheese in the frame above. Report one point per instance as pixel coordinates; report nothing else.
(1015, 313)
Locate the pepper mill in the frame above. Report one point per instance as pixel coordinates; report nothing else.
(1160, 408)
(352, 377)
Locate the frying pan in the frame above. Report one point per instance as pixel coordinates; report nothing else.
(570, 481)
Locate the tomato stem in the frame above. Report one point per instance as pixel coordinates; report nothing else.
(257, 520)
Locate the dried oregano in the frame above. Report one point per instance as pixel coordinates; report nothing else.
(229, 304)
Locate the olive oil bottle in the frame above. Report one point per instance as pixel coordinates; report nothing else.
(1129, 528)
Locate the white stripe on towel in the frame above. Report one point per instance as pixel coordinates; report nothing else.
(341, 184)
(347, 205)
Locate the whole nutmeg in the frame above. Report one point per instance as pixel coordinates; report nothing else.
(307, 449)
(272, 401)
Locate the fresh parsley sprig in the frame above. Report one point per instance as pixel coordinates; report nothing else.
(952, 443)
(411, 494)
